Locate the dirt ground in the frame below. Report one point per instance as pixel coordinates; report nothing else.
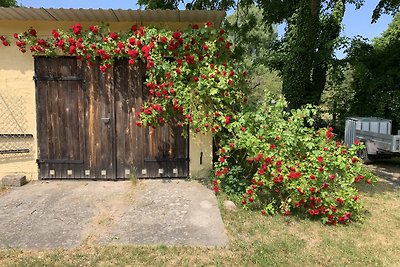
(387, 170)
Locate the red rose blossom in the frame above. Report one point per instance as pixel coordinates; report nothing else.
(77, 28)
(55, 33)
(113, 35)
(94, 29)
(227, 119)
(32, 32)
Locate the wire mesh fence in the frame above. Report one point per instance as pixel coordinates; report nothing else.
(14, 138)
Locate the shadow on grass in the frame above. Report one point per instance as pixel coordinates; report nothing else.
(388, 173)
(379, 188)
(388, 170)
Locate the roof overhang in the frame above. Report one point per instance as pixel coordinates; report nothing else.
(111, 15)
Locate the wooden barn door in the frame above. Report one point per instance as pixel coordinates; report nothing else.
(60, 117)
(143, 151)
(75, 125)
(87, 124)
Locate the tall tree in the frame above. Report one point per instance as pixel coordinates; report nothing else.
(8, 3)
(376, 78)
(336, 100)
(246, 30)
(306, 50)
(303, 56)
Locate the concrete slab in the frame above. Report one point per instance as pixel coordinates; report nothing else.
(50, 214)
(172, 212)
(66, 214)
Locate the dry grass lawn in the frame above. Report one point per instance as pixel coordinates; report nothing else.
(3, 190)
(257, 241)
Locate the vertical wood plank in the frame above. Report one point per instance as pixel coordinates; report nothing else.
(99, 103)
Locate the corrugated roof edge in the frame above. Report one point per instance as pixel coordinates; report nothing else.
(121, 15)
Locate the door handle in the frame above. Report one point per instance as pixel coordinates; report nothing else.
(106, 120)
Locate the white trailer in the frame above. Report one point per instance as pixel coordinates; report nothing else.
(375, 133)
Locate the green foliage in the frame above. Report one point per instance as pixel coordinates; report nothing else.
(390, 7)
(376, 72)
(246, 29)
(235, 182)
(304, 54)
(196, 4)
(337, 97)
(190, 75)
(8, 3)
(159, 4)
(288, 166)
(302, 58)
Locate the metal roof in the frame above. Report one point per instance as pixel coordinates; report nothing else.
(111, 15)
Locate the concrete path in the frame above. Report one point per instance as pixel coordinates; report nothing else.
(66, 214)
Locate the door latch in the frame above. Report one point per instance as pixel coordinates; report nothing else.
(106, 120)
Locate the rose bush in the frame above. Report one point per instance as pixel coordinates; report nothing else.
(273, 159)
(286, 166)
(4, 40)
(190, 75)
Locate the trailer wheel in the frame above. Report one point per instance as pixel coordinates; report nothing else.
(367, 158)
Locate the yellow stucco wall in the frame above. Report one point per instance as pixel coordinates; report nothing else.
(17, 90)
(17, 97)
(200, 145)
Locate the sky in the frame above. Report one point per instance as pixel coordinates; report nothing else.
(356, 22)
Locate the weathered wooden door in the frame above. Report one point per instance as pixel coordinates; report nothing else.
(144, 151)
(95, 134)
(60, 117)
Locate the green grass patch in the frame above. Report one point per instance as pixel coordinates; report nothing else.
(257, 240)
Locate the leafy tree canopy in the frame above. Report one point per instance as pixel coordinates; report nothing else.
(195, 4)
(247, 30)
(8, 3)
(305, 53)
(159, 4)
(303, 56)
(390, 7)
(376, 78)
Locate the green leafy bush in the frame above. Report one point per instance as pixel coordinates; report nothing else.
(289, 167)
